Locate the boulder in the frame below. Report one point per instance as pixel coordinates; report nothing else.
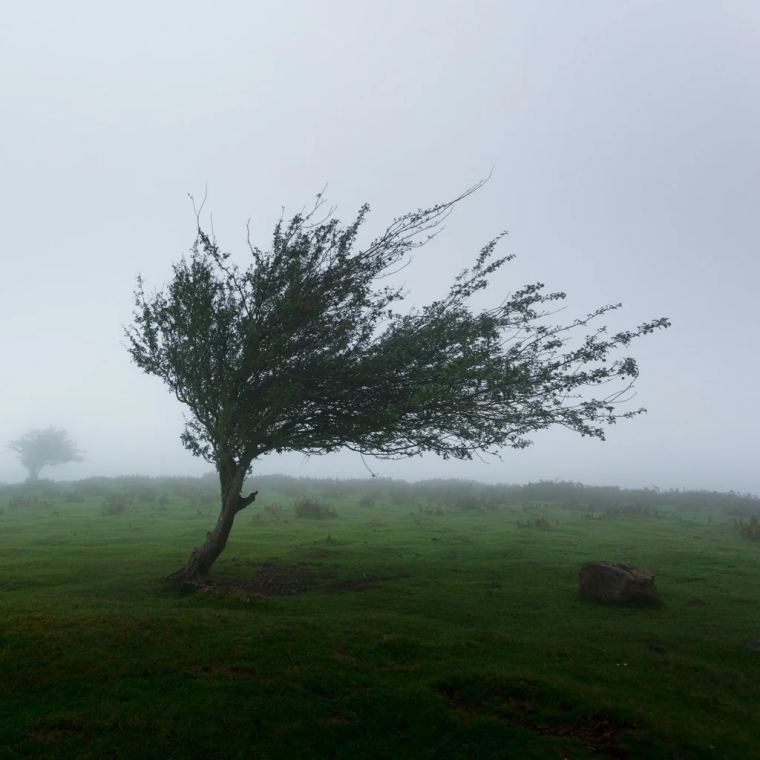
(615, 582)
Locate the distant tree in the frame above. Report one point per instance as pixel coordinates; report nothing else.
(282, 357)
(41, 448)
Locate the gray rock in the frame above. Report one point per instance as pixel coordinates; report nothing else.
(616, 582)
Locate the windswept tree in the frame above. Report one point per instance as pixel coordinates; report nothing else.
(41, 448)
(285, 356)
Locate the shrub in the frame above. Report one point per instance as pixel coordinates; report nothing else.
(115, 505)
(313, 509)
(750, 530)
(538, 522)
(16, 502)
(638, 510)
(430, 510)
(467, 502)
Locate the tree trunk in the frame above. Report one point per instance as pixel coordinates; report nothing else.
(198, 566)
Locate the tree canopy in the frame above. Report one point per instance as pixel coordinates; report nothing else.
(41, 448)
(287, 355)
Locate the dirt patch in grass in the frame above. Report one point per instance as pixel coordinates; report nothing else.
(267, 579)
(273, 578)
(537, 709)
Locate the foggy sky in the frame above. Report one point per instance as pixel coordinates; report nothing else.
(624, 141)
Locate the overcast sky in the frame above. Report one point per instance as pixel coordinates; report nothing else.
(624, 142)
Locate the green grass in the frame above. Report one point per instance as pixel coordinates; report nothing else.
(455, 635)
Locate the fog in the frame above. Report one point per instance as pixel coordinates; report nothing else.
(624, 145)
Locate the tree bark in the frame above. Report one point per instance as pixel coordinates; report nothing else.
(198, 566)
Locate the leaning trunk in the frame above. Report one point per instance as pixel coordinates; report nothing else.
(198, 566)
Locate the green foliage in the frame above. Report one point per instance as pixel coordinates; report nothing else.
(633, 510)
(281, 356)
(626, 510)
(749, 529)
(429, 509)
(286, 356)
(536, 522)
(40, 448)
(314, 509)
(116, 504)
(15, 502)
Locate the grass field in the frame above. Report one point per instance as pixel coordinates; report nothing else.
(391, 630)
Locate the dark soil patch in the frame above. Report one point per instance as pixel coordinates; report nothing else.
(523, 702)
(273, 578)
(270, 579)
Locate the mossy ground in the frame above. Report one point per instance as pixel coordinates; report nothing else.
(384, 632)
